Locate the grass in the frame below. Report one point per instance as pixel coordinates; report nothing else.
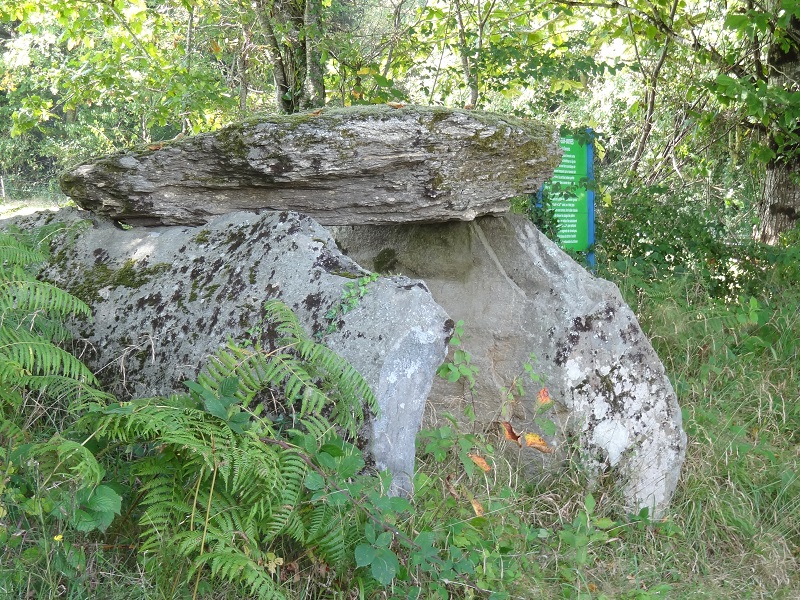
(736, 373)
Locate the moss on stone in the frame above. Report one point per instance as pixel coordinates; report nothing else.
(202, 237)
(385, 261)
(102, 276)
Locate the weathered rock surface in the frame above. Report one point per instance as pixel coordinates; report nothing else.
(361, 165)
(165, 299)
(518, 294)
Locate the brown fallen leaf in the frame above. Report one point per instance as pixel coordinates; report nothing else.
(544, 399)
(509, 432)
(449, 486)
(537, 442)
(477, 507)
(395, 104)
(481, 462)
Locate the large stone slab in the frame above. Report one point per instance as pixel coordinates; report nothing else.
(518, 294)
(165, 299)
(360, 165)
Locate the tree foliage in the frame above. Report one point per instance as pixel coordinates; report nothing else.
(678, 91)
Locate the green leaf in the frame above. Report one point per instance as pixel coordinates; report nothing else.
(737, 22)
(369, 533)
(228, 386)
(216, 407)
(239, 422)
(547, 426)
(105, 499)
(384, 566)
(604, 523)
(350, 465)
(314, 481)
(86, 520)
(326, 461)
(199, 391)
(590, 503)
(365, 554)
(334, 450)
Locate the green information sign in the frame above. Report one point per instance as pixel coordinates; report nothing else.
(571, 201)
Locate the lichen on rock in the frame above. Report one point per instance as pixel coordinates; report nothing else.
(359, 165)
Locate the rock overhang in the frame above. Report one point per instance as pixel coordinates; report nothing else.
(372, 165)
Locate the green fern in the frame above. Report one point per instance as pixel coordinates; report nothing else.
(310, 377)
(221, 486)
(31, 324)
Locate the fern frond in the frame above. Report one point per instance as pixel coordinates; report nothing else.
(10, 433)
(312, 379)
(20, 291)
(16, 252)
(62, 459)
(213, 492)
(285, 321)
(21, 352)
(333, 544)
(237, 567)
(282, 519)
(326, 529)
(77, 396)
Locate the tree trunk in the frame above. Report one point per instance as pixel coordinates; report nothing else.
(470, 77)
(315, 80)
(244, 82)
(779, 209)
(293, 30)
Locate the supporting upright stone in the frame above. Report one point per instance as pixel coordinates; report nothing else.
(519, 294)
(165, 299)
